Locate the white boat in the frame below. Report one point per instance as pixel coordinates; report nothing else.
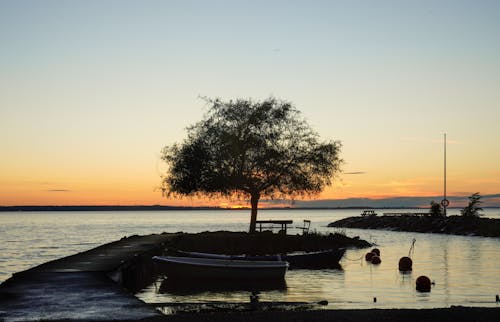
(209, 268)
(320, 259)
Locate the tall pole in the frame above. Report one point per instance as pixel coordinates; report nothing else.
(445, 201)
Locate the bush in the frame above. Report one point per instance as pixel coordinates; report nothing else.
(472, 209)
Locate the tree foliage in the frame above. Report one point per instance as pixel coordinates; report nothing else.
(472, 209)
(251, 149)
(436, 209)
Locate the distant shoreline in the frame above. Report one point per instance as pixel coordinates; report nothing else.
(163, 208)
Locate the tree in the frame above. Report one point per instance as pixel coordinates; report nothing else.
(472, 209)
(436, 210)
(254, 149)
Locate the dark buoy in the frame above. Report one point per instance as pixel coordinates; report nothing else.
(376, 259)
(405, 264)
(376, 251)
(369, 256)
(498, 298)
(374, 300)
(423, 284)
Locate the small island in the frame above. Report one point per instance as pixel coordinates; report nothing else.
(233, 243)
(423, 223)
(469, 223)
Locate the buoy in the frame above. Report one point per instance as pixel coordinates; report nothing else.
(423, 284)
(498, 298)
(376, 259)
(376, 251)
(405, 264)
(369, 256)
(374, 300)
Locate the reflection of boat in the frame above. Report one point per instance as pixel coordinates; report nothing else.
(320, 259)
(187, 287)
(209, 268)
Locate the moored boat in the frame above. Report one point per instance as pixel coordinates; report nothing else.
(209, 268)
(319, 259)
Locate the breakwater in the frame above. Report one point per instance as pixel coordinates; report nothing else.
(455, 225)
(98, 284)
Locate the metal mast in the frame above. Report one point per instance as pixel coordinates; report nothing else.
(445, 201)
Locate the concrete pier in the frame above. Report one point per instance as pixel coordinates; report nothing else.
(85, 286)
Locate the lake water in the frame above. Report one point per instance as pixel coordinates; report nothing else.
(465, 270)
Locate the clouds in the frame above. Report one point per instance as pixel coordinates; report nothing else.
(492, 200)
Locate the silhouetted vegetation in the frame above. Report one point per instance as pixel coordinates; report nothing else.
(250, 149)
(436, 209)
(472, 209)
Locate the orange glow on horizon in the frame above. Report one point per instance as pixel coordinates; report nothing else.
(135, 192)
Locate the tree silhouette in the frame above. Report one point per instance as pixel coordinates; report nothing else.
(436, 210)
(255, 149)
(472, 209)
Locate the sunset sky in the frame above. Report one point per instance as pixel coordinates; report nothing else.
(90, 91)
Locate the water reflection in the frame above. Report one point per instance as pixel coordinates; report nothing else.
(172, 296)
(193, 287)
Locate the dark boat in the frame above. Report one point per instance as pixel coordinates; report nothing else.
(321, 259)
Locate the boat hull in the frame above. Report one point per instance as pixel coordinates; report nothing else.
(207, 268)
(323, 259)
(320, 259)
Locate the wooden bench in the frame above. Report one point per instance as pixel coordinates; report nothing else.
(272, 224)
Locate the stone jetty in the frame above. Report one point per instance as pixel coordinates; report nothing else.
(456, 225)
(98, 284)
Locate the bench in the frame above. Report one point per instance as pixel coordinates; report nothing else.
(271, 224)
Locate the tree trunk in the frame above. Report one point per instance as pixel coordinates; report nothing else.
(254, 201)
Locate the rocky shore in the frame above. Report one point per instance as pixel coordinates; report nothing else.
(452, 314)
(455, 225)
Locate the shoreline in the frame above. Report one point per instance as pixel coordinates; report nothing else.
(451, 225)
(451, 314)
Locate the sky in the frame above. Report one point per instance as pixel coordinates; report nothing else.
(91, 91)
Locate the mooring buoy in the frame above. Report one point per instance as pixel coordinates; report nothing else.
(376, 251)
(369, 256)
(405, 264)
(376, 259)
(423, 284)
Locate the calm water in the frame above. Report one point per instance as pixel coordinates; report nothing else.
(465, 270)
